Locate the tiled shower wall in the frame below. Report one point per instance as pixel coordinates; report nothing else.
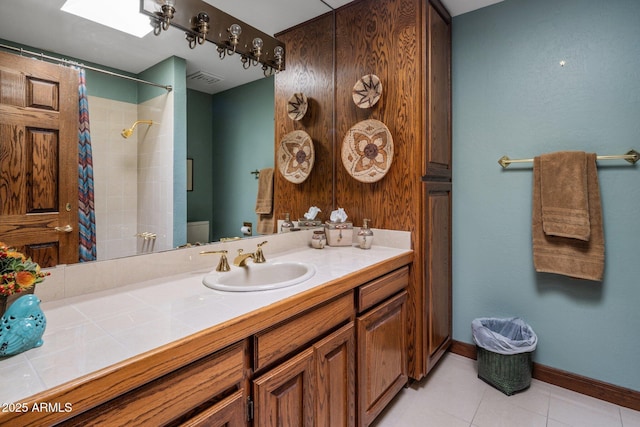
(115, 176)
(155, 173)
(133, 177)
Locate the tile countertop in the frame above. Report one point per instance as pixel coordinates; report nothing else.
(89, 332)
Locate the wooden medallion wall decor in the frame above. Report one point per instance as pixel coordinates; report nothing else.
(296, 156)
(367, 151)
(367, 91)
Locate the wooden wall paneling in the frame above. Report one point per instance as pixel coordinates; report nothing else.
(309, 69)
(380, 39)
(383, 37)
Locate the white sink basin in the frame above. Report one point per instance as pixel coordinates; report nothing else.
(260, 277)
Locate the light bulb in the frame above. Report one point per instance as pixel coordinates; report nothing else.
(278, 51)
(235, 30)
(257, 43)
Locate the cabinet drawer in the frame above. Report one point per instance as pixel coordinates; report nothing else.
(230, 412)
(280, 340)
(380, 289)
(173, 395)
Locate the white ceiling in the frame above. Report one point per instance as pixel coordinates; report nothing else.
(41, 24)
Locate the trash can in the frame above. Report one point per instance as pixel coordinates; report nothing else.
(505, 347)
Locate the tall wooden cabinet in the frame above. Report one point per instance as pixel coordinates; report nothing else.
(407, 44)
(437, 182)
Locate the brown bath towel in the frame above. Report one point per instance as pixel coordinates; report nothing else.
(264, 201)
(563, 192)
(572, 257)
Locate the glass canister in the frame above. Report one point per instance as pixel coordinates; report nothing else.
(319, 239)
(286, 225)
(365, 235)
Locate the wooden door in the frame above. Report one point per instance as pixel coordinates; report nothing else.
(39, 159)
(438, 271)
(336, 376)
(284, 395)
(382, 356)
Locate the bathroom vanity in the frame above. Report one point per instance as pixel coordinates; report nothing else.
(329, 351)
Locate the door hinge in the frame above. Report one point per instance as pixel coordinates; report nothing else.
(249, 409)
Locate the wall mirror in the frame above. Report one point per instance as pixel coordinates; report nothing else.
(202, 128)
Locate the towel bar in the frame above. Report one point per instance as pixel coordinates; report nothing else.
(632, 157)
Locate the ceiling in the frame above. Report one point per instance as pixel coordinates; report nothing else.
(41, 24)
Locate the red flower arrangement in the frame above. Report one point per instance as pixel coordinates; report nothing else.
(17, 272)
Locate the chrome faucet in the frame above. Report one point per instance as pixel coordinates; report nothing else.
(257, 256)
(223, 264)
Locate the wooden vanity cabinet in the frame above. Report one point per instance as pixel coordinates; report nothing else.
(314, 388)
(316, 385)
(381, 328)
(209, 392)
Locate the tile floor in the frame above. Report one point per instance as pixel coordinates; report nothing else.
(453, 396)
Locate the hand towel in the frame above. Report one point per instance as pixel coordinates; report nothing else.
(563, 192)
(264, 202)
(264, 199)
(564, 255)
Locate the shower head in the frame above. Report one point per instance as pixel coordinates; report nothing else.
(126, 133)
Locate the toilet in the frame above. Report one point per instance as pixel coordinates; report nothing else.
(198, 232)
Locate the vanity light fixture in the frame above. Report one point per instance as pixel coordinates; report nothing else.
(200, 30)
(234, 35)
(278, 54)
(202, 22)
(164, 17)
(256, 51)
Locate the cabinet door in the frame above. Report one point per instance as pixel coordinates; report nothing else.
(336, 376)
(438, 151)
(230, 412)
(382, 356)
(284, 395)
(438, 271)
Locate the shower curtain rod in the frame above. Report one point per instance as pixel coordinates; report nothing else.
(42, 56)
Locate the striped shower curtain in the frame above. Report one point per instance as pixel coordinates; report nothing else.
(86, 212)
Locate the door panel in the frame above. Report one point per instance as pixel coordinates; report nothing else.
(438, 257)
(38, 159)
(284, 395)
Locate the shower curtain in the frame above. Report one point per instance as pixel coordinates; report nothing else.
(86, 212)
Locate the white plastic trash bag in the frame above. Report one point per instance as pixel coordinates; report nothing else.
(504, 336)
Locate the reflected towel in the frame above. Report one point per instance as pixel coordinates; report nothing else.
(264, 202)
(563, 193)
(264, 199)
(564, 255)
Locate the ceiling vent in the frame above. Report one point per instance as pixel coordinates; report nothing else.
(203, 78)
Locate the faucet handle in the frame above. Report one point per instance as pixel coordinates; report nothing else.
(259, 255)
(223, 264)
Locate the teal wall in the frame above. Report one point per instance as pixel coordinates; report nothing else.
(200, 149)
(511, 96)
(243, 132)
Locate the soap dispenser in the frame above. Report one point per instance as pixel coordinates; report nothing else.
(286, 225)
(365, 235)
